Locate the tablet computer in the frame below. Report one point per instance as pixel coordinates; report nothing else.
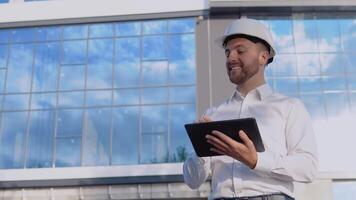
(198, 131)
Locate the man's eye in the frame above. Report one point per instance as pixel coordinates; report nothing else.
(227, 53)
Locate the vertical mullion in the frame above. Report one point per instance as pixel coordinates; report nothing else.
(26, 136)
(112, 95)
(140, 96)
(85, 110)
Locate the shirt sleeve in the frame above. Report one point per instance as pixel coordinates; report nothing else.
(301, 163)
(196, 170)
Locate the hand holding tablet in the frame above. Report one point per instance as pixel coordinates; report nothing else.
(197, 133)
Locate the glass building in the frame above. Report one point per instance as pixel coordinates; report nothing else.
(93, 102)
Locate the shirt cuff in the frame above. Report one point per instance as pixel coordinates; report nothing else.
(265, 162)
(198, 160)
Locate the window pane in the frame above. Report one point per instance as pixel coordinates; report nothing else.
(315, 105)
(96, 149)
(69, 123)
(154, 47)
(3, 55)
(181, 25)
(352, 82)
(182, 47)
(180, 146)
(154, 27)
(329, 35)
(43, 101)
(12, 140)
(182, 72)
(125, 136)
(284, 65)
(305, 33)
(154, 148)
(16, 102)
(101, 30)
(75, 32)
(70, 99)
(68, 152)
(99, 98)
(127, 49)
(286, 85)
(40, 139)
(154, 95)
(45, 68)
(20, 68)
(127, 74)
(127, 96)
(4, 36)
(347, 33)
(334, 83)
(333, 64)
(154, 119)
(2, 80)
(128, 28)
(23, 35)
(154, 73)
(283, 30)
(72, 78)
(100, 67)
(48, 33)
(350, 60)
(308, 64)
(182, 94)
(310, 84)
(74, 52)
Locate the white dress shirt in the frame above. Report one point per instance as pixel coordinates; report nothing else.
(290, 148)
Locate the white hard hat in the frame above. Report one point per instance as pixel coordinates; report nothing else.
(249, 27)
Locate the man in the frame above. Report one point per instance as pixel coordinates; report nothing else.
(284, 124)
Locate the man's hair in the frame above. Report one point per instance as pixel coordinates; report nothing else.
(252, 39)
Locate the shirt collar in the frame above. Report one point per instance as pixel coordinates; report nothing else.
(260, 93)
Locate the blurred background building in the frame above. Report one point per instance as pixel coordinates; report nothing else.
(94, 94)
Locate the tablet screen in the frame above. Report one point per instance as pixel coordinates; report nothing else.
(198, 131)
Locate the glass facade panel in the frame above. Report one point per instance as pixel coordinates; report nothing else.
(3, 55)
(154, 95)
(127, 97)
(43, 101)
(19, 68)
(68, 152)
(72, 78)
(69, 123)
(40, 139)
(70, 99)
(315, 61)
(154, 48)
(96, 145)
(99, 98)
(74, 52)
(125, 136)
(154, 73)
(178, 147)
(12, 139)
(101, 30)
(100, 64)
(95, 94)
(46, 67)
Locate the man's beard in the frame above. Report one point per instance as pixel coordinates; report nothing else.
(240, 73)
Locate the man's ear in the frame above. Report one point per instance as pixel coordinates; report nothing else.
(263, 57)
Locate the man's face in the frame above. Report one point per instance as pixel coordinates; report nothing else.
(242, 60)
